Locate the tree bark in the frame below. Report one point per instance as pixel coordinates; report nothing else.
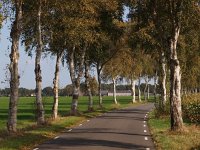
(99, 85)
(133, 90)
(148, 96)
(89, 92)
(163, 77)
(14, 75)
(145, 89)
(76, 80)
(155, 86)
(175, 78)
(139, 91)
(55, 88)
(38, 74)
(114, 90)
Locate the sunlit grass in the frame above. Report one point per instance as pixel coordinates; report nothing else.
(168, 140)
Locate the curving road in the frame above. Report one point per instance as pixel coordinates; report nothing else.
(124, 129)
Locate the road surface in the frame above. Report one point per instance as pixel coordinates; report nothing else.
(124, 129)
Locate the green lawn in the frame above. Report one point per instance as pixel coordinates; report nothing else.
(29, 134)
(168, 140)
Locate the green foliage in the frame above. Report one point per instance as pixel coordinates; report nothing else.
(1, 17)
(191, 108)
(162, 112)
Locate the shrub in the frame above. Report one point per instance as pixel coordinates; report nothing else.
(191, 108)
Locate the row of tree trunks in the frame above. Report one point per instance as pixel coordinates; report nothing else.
(14, 76)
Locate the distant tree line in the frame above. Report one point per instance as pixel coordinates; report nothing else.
(68, 90)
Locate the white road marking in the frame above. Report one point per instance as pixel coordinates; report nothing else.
(147, 148)
(144, 125)
(70, 130)
(144, 121)
(88, 120)
(145, 138)
(80, 124)
(56, 137)
(36, 149)
(145, 130)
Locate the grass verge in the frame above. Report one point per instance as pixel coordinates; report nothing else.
(168, 140)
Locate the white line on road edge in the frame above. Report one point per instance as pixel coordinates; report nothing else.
(80, 124)
(144, 121)
(145, 130)
(147, 148)
(88, 120)
(36, 149)
(56, 137)
(144, 125)
(145, 138)
(70, 130)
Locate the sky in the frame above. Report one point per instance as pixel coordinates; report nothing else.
(26, 65)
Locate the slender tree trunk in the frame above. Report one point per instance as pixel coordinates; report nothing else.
(133, 90)
(14, 76)
(145, 89)
(38, 74)
(163, 78)
(148, 96)
(155, 86)
(99, 86)
(55, 88)
(139, 91)
(114, 90)
(76, 80)
(175, 89)
(87, 82)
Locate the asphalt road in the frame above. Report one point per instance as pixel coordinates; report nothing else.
(124, 129)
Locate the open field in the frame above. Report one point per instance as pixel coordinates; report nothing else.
(26, 108)
(30, 135)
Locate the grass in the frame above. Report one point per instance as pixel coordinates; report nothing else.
(168, 140)
(29, 135)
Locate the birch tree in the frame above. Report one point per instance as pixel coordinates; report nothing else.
(13, 67)
(88, 87)
(56, 85)
(38, 75)
(33, 37)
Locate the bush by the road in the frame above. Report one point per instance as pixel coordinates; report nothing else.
(191, 108)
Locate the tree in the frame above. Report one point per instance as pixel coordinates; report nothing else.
(113, 70)
(88, 85)
(47, 91)
(14, 75)
(33, 38)
(38, 75)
